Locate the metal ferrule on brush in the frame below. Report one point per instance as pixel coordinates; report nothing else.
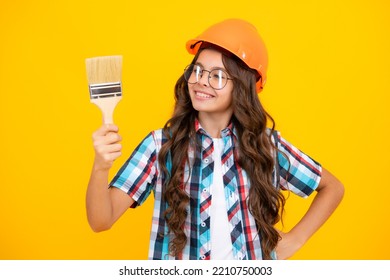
(105, 90)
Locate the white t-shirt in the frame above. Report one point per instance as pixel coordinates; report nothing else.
(221, 243)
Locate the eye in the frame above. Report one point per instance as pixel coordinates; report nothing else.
(197, 70)
(218, 74)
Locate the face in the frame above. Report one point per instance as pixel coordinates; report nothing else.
(204, 98)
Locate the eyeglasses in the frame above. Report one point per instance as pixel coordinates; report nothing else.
(217, 78)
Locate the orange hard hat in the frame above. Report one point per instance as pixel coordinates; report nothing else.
(241, 39)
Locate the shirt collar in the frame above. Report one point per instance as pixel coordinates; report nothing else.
(227, 131)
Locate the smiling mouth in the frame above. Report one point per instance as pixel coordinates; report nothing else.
(203, 95)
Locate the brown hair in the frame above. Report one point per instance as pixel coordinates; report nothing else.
(255, 156)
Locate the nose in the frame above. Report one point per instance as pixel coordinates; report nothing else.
(204, 78)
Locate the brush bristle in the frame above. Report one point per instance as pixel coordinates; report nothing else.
(104, 69)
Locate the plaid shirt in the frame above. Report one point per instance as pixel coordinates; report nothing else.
(141, 174)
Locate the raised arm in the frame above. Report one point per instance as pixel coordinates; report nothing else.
(105, 205)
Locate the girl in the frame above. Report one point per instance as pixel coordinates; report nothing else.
(215, 169)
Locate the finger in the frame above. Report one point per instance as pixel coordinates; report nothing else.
(113, 148)
(105, 129)
(113, 137)
(105, 139)
(115, 155)
(111, 127)
(110, 138)
(106, 149)
(110, 157)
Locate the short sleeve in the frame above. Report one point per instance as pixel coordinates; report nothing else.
(298, 172)
(138, 175)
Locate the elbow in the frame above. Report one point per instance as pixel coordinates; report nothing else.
(341, 190)
(331, 186)
(99, 228)
(338, 190)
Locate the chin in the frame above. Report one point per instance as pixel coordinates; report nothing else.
(202, 109)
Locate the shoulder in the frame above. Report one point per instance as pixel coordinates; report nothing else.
(157, 138)
(275, 136)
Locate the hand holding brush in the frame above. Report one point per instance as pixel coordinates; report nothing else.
(105, 88)
(104, 75)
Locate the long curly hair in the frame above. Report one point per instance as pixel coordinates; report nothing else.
(255, 155)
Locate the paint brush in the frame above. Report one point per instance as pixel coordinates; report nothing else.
(104, 75)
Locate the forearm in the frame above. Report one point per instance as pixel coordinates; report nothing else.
(98, 200)
(329, 194)
(323, 205)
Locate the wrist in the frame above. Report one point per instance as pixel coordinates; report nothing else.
(100, 167)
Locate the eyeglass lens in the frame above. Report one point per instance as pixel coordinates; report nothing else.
(217, 78)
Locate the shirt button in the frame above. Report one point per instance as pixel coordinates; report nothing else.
(203, 224)
(204, 190)
(206, 160)
(203, 257)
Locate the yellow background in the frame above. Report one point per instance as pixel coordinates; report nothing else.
(328, 89)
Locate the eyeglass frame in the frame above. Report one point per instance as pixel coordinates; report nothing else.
(209, 75)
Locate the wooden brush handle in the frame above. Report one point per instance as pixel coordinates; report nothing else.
(107, 106)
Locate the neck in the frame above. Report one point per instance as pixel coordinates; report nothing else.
(214, 123)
